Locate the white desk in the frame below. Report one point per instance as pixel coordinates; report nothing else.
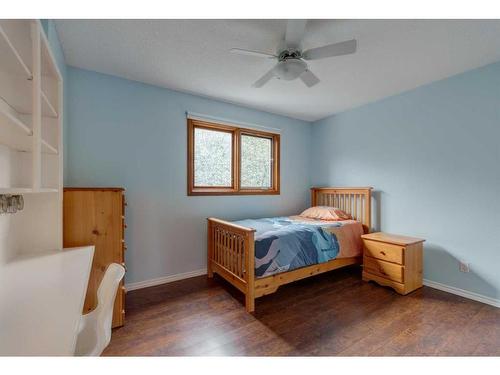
(41, 301)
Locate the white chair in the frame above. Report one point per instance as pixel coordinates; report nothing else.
(95, 327)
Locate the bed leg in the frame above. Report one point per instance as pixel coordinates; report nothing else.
(210, 272)
(210, 249)
(249, 303)
(250, 273)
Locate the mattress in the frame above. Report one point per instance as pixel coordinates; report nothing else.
(287, 243)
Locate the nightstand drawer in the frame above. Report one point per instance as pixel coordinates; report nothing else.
(384, 269)
(380, 250)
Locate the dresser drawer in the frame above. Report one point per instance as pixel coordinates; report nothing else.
(385, 251)
(384, 269)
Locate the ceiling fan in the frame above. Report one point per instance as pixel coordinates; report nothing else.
(292, 60)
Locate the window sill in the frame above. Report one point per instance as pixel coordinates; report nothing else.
(222, 191)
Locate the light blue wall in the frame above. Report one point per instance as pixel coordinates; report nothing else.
(433, 157)
(125, 133)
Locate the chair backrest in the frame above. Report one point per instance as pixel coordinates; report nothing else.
(106, 294)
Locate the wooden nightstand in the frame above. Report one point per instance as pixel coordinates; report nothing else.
(393, 260)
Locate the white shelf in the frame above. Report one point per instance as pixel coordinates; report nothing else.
(15, 73)
(47, 107)
(15, 134)
(11, 124)
(47, 148)
(15, 191)
(12, 61)
(17, 91)
(51, 69)
(50, 76)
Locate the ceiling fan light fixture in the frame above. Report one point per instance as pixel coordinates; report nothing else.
(289, 69)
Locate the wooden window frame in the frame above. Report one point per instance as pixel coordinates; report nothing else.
(235, 188)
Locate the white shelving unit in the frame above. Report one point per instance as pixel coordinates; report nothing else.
(31, 114)
(51, 282)
(30, 102)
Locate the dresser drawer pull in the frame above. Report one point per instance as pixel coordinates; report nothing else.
(388, 252)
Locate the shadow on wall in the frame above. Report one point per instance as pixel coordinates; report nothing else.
(376, 210)
(439, 261)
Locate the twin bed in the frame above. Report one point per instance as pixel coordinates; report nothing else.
(258, 256)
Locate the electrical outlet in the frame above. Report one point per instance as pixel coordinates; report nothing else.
(463, 266)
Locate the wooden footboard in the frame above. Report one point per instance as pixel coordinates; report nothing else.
(231, 254)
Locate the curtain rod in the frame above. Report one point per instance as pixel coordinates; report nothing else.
(225, 121)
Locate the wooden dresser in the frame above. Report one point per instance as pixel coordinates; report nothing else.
(393, 260)
(96, 216)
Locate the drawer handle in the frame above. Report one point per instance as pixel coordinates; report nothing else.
(383, 253)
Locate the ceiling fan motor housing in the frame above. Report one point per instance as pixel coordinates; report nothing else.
(289, 69)
(289, 54)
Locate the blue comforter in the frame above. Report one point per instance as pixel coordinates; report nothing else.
(283, 244)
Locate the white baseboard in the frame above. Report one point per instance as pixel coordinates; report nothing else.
(462, 293)
(164, 280)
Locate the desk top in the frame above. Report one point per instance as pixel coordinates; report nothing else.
(41, 301)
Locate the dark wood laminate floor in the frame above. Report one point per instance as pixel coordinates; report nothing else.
(331, 314)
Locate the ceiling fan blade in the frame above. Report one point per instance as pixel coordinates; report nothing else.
(252, 53)
(264, 79)
(336, 49)
(295, 30)
(309, 78)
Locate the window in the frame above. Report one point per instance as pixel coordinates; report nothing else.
(226, 159)
(256, 162)
(212, 158)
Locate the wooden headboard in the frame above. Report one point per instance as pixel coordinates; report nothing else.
(356, 201)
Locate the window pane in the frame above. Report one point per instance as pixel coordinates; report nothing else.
(256, 160)
(212, 158)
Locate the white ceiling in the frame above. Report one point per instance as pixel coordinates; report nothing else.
(193, 56)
